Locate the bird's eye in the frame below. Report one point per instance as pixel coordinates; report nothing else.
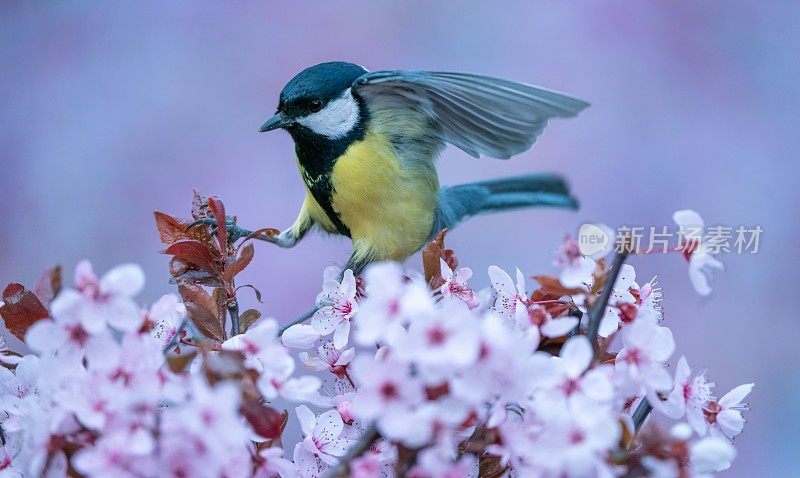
(315, 105)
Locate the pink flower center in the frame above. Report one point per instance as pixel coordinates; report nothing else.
(687, 391)
(389, 391)
(570, 386)
(436, 335)
(576, 436)
(537, 316)
(634, 357)
(77, 335)
(346, 308)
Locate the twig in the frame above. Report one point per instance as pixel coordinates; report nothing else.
(640, 414)
(597, 312)
(363, 444)
(299, 320)
(188, 325)
(233, 309)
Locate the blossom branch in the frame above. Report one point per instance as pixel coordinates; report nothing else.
(363, 444)
(596, 313)
(641, 413)
(307, 315)
(233, 310)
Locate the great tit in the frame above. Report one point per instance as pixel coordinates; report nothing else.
(366, 145)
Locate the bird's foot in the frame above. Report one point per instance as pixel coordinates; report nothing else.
(235, 232)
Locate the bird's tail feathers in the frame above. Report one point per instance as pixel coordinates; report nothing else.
(460, 202)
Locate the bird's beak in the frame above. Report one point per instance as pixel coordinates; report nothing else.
(277, 121)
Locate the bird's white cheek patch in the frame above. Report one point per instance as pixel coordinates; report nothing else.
(337, 119)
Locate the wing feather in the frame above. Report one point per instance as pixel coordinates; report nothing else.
(482, 115)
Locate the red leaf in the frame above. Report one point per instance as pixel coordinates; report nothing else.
(21, 309)
(203, 311)
(49, 285)
(195, 252)
(218, 209)
(239, 264)
(265, 420)
(170, 229)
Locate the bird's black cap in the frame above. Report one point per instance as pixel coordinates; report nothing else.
(322, 82)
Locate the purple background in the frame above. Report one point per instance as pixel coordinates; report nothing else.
(112, 110)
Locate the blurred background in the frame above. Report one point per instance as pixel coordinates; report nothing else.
(110, 110)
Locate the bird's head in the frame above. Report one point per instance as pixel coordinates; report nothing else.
(318, 100)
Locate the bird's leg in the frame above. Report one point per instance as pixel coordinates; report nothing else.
(356, 264)
(235, 232)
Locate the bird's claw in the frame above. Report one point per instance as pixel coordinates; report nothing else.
(235, 232)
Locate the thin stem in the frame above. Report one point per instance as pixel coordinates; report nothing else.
(233, 309)
(640, 414)
(299, 320)
(363, 444)
(188, 325)
(597, 312)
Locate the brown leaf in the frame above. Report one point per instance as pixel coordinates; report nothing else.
(221, 299)
(248, 318)
(21, 309)
(599, 275)
(552, 286)
(196, 253)
(265, 420)
(224, 365)
(490, 466)
(49, 285)
(203, 311)
(184, 273)
(178, 363)
(255, 291)
(431, 256)
(237, 266)
(199, 205)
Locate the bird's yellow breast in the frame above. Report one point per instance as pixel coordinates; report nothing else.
(387, 205)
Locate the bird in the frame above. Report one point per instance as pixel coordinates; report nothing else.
(366, 145)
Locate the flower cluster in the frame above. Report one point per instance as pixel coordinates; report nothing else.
(407, 375)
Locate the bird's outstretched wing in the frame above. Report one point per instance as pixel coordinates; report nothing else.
(481, 115)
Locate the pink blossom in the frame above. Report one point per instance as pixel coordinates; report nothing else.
(455, 284)
(510, 298)
(688, 397)
(329, 358)
(107, 300)
(167, 315)
(576, 269)
(322, 435)
(646, 347)
(725, 415)
(702, 263)
(339, 305)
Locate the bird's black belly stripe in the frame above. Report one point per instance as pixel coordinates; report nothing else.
(322, 190)
(317, 155)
